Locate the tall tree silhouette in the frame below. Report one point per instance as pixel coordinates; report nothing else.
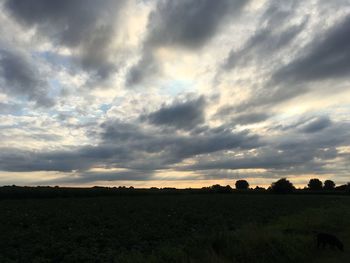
(242, 185)
(315, 184)
(329, 185)
(282, 186)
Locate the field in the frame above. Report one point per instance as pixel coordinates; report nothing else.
(173, 228)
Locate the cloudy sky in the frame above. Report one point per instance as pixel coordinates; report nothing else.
(181, 93)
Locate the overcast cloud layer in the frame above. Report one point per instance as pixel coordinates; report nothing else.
(174, 93)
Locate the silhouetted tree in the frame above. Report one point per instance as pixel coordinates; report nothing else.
(242, 185)
(282, 186)
(315, 184)
(329, 185)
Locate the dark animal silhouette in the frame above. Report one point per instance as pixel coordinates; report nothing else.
(324, 239)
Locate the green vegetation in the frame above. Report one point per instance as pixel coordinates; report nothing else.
(173, 228)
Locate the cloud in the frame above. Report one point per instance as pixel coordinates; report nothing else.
(273, 33)
(225, 113)
(91, 177)
(308, 124)
(145, 68)
(183, 24)
(86, 27)
(327, 57)
(324, 56)
(262, 45)
(265, 160)
(277, 32)
(249, 118)
(161, 148)
(99, 90)
(287, 153)
(9, 108)
(184, 115)
(128, 146)
(316, 124)
(189, 24)
(140, 151)
(19, 77)
(325, 61)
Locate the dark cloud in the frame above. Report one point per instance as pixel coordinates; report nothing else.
(211, 142)
(328, 56)
(86, 26)
(74, 159)
(265, 160)
(228, 113)
(263, 50)
(141, 152)
(162, 148)
(90, 177)
(182, 115)
(249, 118)
(19, 77)
(269, 95)
(126, 145)
(9, 108)
(17, 160)
(307, 124)
(274, 33)
(189, 24)
(276, 13)
(146, 68)
(288, 153)
(316, 124)
(262, 45)
(185, 24)
(334, 135)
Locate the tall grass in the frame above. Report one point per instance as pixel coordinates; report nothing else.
(289, 239)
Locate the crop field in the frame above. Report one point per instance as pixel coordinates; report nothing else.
(174, 228)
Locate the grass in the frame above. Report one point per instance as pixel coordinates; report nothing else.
(173, 228)
(288, 239)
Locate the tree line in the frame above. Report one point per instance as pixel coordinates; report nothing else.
(281, 186)
(285, 186)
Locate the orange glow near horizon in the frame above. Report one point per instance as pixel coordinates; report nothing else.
(183, 184)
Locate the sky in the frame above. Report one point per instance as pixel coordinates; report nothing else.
(184, 93)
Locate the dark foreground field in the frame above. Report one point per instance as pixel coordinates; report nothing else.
(173, 228)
